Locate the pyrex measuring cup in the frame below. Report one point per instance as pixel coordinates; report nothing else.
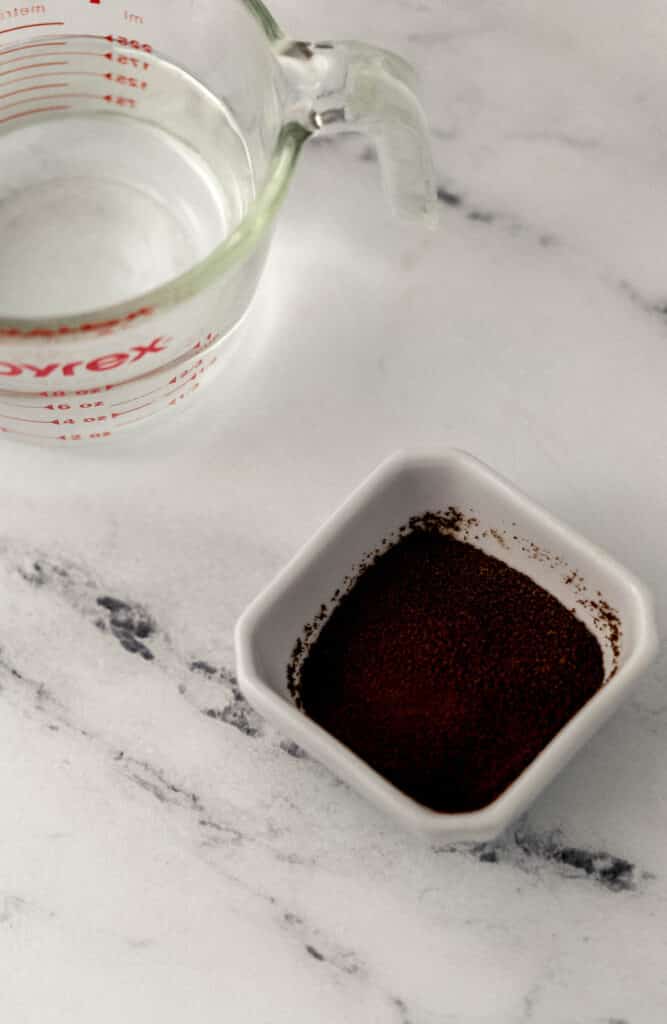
(143, 154)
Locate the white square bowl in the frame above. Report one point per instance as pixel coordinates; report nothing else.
(509, 526)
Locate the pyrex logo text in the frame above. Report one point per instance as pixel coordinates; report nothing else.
(100, 364)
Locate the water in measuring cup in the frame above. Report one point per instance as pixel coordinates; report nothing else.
(104, 199)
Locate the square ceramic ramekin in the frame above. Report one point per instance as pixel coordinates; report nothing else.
(504, 523)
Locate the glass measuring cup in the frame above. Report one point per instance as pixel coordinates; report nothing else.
(143, 154)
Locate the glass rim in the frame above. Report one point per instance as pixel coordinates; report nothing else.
(68, 327)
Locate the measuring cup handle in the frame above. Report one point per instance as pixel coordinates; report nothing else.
(337, 87)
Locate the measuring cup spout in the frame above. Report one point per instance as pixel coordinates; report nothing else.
(343, 87)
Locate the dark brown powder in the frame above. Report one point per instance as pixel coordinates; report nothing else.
(446, 670)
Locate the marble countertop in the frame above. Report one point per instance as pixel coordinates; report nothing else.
(165, 855)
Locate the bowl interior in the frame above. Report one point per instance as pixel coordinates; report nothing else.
(495, 519)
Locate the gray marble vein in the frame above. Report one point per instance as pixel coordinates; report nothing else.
(166, 854)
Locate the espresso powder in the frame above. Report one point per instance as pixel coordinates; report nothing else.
(447, 671)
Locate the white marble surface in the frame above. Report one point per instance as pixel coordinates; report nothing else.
(163, 857)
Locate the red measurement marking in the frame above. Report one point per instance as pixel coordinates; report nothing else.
(30, 67)
(122, 58)
(87, 328)
(87, 391)
(31, 46)
(120, 101)
(36, 24)
(73, 53)
(37, 110)
(54, 96)
(32, 88)
(73, 437)
(59, 74)
(134, 44)
(17, 60)
(87, 53)
(131, 83)
(94, 1)
(70, 53)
